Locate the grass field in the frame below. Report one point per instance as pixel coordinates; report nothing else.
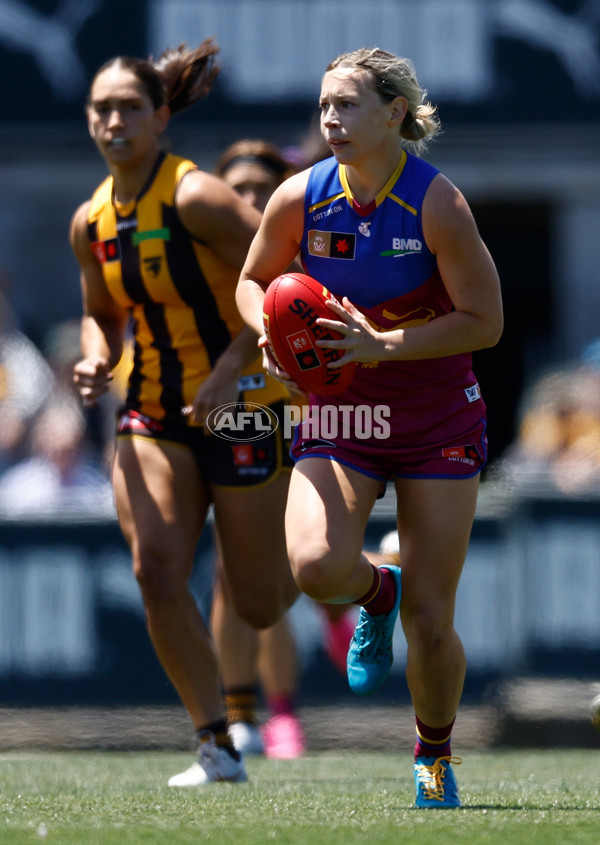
(101, 798)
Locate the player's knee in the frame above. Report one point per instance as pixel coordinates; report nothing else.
(264, 609)
(159, 582)
(259, 614)
(316, 576)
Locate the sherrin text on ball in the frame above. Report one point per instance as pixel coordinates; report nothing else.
(293, 303)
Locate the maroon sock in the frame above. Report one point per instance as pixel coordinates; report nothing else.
(279, 704)
(380, 598)
(433, 742)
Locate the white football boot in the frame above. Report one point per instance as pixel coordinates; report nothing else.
(247, 738)
(214, 765)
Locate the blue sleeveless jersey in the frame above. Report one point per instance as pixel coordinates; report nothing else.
(376, 255)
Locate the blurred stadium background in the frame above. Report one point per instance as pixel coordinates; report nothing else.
(518, 88)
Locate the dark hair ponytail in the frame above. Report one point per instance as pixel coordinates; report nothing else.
(178, 78)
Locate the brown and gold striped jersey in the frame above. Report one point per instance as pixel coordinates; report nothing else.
(179, 291)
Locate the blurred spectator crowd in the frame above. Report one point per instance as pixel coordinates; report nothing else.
(54, 457)
(557, 448)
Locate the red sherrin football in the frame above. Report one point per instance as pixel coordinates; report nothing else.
(293, 302)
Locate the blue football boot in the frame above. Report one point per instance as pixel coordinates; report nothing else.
(435, 783)
(370, 654)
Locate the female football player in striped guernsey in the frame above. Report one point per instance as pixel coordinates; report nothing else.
(160, 246)
(396, 243)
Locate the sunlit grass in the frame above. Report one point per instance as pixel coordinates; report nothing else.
(336, 799)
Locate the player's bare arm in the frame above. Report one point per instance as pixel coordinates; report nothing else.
(274, 248)
(213, 213)
(103, 322)
(465, 264)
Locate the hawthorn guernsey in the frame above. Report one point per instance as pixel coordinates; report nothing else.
(293, 303)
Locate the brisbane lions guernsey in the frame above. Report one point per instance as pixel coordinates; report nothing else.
(376, 255)
(179, 292)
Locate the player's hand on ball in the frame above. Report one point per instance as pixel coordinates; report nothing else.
(272, 368)
(359, 341)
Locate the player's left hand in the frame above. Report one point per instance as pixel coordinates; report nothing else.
(361, 342)
(272, 368)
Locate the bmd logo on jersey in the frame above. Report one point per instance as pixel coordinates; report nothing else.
(402, 247)
(242, 422)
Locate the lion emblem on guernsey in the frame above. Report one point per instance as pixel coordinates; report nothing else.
(418, 317)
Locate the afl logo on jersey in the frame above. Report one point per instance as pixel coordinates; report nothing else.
(331, 244)
(106, 251)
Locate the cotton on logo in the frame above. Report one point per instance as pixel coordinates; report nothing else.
(242, 422)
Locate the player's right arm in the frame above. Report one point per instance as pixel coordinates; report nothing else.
(103, 323)
(273, 249)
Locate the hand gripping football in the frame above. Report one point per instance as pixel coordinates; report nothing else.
(293, 303)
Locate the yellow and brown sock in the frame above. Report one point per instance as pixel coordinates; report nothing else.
(241, 704)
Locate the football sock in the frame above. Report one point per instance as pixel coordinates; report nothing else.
(241, 704)
(280, 704)
(222, 738)
(380, 598)
(433, 742)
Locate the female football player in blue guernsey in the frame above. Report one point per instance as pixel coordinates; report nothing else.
(160, 246)
(397, 244)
